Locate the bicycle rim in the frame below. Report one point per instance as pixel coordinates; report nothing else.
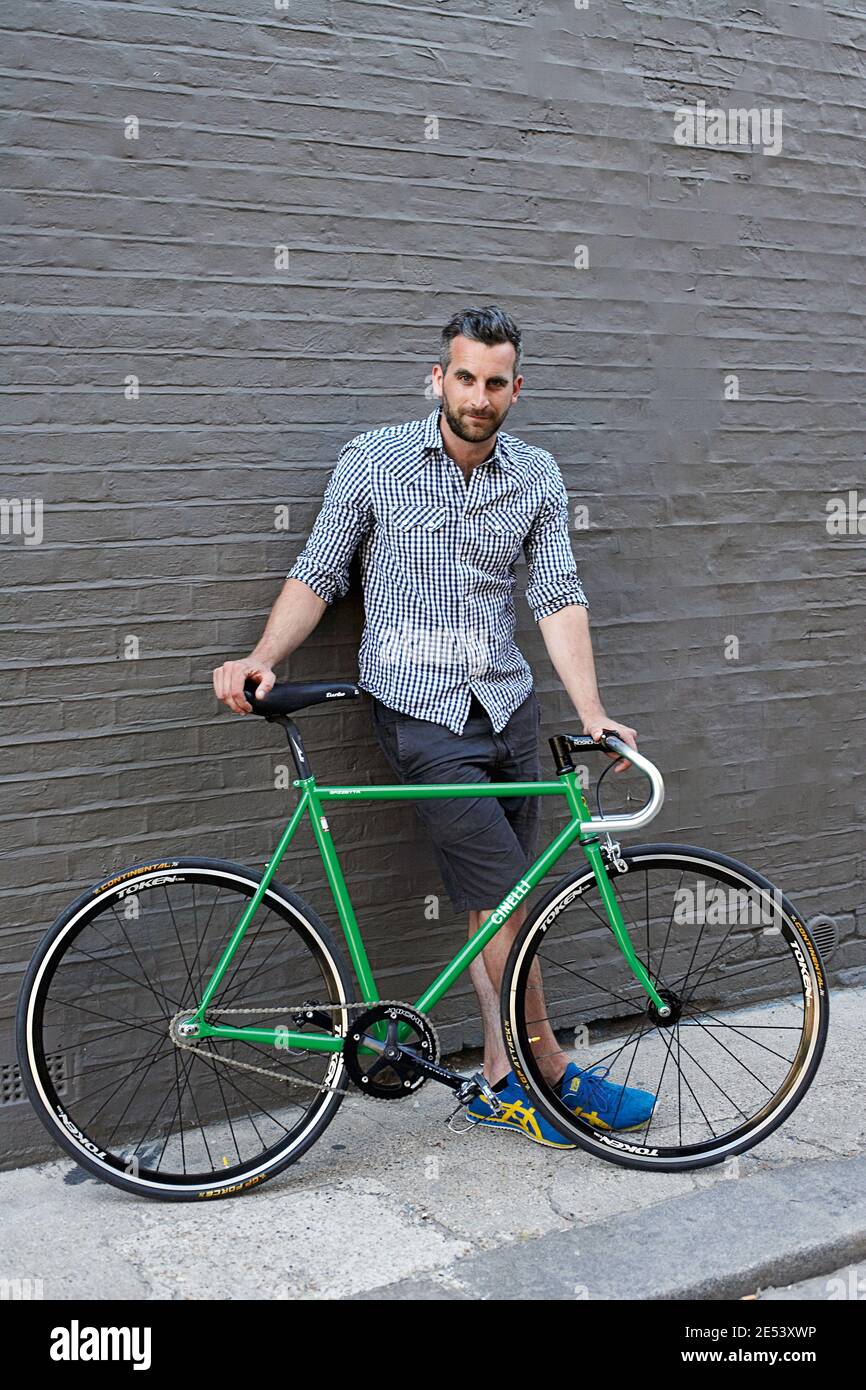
(746, 984)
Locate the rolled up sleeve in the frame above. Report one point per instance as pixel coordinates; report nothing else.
(553, 580)
(343, 521)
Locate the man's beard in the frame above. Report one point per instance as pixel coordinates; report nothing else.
(469, 431)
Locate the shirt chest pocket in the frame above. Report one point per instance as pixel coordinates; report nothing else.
(414, 533)
(501, 532)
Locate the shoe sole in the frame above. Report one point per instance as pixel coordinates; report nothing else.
(498, 1124)
(504, 1126)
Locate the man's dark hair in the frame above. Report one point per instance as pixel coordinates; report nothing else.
(488, 324)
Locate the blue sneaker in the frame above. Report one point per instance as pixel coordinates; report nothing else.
(604, 1104)
(517, 1114)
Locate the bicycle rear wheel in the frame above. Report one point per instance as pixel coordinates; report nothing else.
(737, 965)
(99, 1061)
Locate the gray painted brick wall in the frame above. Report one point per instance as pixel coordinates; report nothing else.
(154, 258)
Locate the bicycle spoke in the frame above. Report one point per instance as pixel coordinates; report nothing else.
(682, 1076)
(723, 979)
(91, 1095)
(135, 954)
(578, 975)
(228, 1115)
(126, 1108)
(229, 1078)
(719, 1023)
(200, 940)
(123, 1025)
(739, 1060)
(249, 942)
(96, 960)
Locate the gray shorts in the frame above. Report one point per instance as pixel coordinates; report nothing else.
(483, 844)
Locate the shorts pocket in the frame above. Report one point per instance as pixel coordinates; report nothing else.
(411, 742)
(392, 730)
(384, 730)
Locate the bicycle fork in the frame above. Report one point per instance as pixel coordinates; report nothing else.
(592, 848)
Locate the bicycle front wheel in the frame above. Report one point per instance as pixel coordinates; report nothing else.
(744, 982)
(100, 1060)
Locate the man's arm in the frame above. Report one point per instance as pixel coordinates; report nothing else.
(560, 607)
(569, 645)
(319, 575)
(292, 619)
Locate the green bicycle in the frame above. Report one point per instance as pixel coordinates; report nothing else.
(188, 1028)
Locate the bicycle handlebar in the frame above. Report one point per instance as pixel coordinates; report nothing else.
(611, 742)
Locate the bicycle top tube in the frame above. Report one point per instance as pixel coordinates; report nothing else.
(422, 791)
(287, 698)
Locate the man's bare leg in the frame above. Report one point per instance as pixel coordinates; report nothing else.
(486, 975)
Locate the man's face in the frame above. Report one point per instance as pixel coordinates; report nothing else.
(478, 389)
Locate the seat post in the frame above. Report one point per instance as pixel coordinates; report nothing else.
(296, 743)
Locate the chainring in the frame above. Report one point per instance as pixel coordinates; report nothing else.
(389, 1071)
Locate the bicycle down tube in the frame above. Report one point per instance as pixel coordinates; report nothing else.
(579, 828)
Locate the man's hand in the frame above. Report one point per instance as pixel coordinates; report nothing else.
(598, 722)
(228, 682)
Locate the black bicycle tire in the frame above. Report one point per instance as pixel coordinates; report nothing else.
(280, 898)
(614, 1149)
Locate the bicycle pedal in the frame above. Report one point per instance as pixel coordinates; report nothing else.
(475, 1085)
(486, 1090)
(458, 1129)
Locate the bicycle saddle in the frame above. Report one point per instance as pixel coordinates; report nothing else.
(288, 696)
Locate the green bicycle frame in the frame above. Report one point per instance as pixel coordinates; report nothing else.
(310, 803)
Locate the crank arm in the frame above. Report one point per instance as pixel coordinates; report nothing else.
(433, 1070)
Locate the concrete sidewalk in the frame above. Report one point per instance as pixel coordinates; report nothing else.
(390, 1204)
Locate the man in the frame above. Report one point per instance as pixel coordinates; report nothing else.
(441, 508)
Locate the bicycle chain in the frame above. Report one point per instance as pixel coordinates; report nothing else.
(300, 1009)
